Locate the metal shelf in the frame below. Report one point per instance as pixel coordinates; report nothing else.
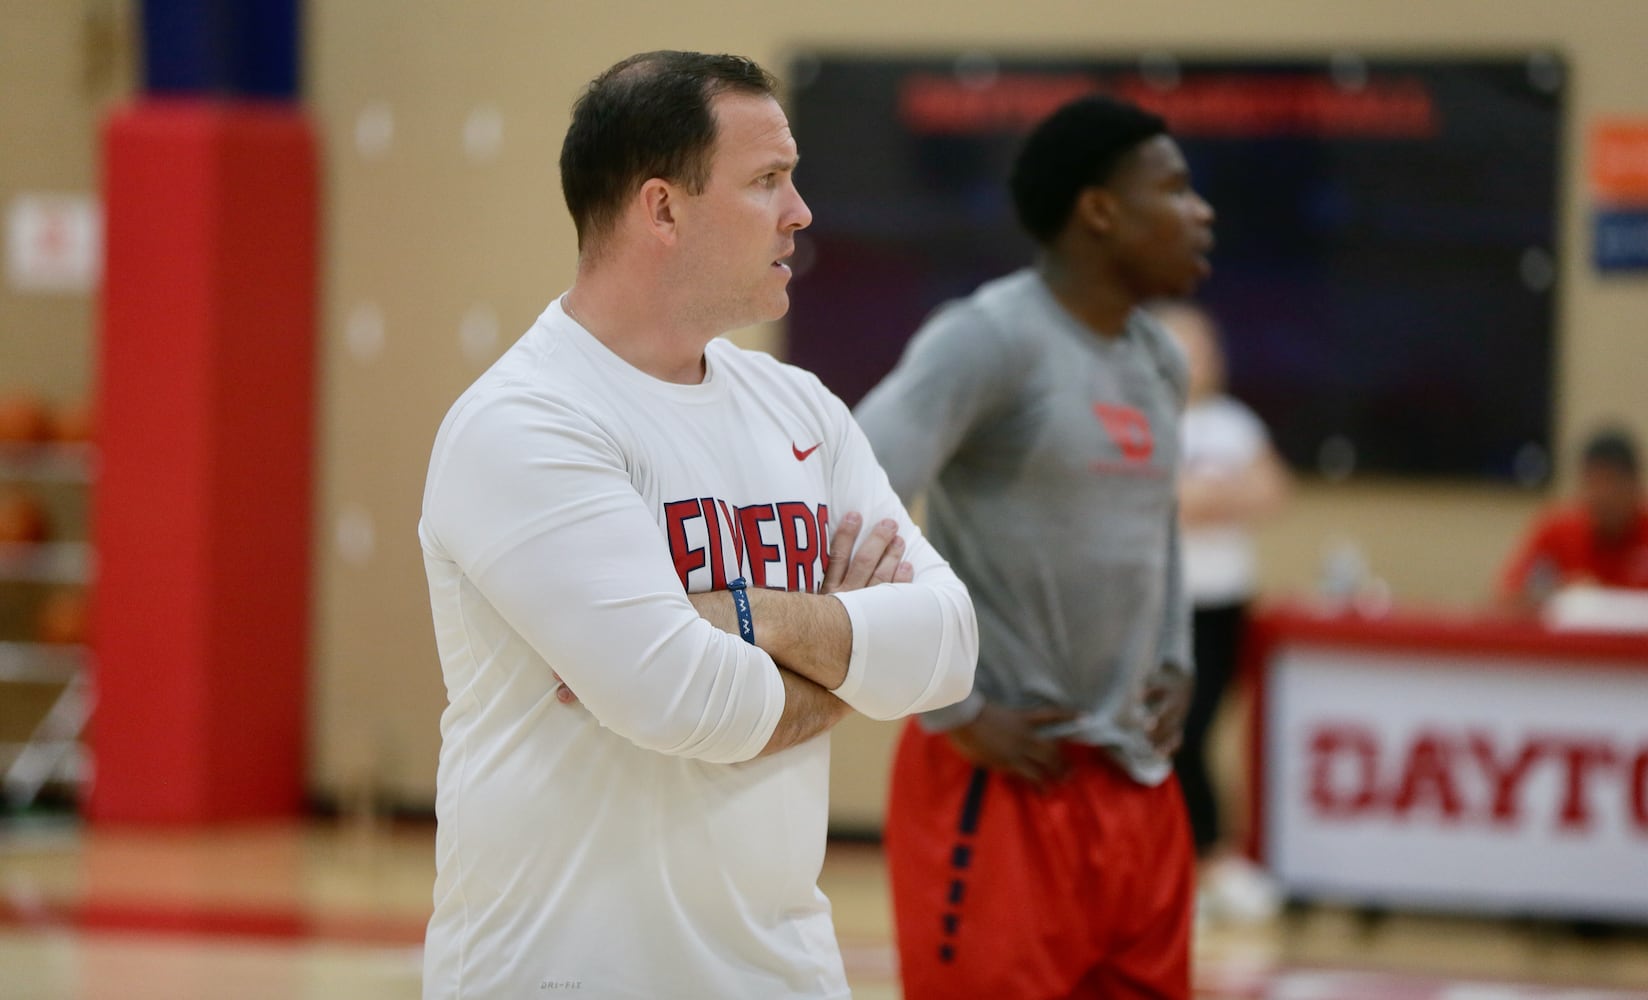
(47, 463)
(46, 562)
(53, 750)
(41, 663)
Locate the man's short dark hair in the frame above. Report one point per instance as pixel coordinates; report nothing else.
(1612, 447)
(647, 116)
(1078, 146)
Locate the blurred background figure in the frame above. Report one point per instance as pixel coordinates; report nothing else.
(1599, 538)
(1036, 841)
(1231, 478)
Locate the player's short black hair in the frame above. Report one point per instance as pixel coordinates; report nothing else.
(1612, 447)
(647, 116)
(1078, 146)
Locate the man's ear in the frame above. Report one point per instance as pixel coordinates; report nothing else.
(1096, 209)
(660, 201)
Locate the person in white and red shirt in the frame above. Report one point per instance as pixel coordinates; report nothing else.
(632, 506)
(1231, 479)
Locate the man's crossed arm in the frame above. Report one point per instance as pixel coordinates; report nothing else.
(808, 635)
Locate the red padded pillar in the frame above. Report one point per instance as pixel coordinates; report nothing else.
(201, 515)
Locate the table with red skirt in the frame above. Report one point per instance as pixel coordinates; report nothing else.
(1455, 762)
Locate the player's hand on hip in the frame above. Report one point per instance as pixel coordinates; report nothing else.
(563, 693)
(1005, 739)
(1166, 706)
(879, 558)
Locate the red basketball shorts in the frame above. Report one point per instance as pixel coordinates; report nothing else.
(1086, 889)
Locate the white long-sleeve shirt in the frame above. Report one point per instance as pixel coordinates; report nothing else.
(1221, 438)
(633, 844)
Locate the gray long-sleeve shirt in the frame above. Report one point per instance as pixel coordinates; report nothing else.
(1048, 456)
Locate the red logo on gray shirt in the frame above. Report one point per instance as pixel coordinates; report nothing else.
(1129, 428)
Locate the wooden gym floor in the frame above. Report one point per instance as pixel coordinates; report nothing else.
(336, 910)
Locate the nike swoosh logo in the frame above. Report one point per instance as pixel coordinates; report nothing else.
(801, 456)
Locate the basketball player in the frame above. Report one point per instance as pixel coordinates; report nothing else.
(1036, 837)
(631, 503)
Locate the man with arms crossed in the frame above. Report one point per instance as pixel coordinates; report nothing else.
(1036, 838)
(632, 506)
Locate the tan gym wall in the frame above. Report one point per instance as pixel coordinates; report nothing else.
(445, 236)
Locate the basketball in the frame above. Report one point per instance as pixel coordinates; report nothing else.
(22, 520)
(23, 418)
(61, 620)
(71, 423)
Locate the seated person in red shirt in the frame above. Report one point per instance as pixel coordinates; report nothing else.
(1600, 539)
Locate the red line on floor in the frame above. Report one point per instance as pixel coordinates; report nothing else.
(207, 921)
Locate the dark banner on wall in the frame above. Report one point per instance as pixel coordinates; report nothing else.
(222, 48)
(1386, 273)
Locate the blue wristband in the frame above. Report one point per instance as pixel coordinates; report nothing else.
(741, 604)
